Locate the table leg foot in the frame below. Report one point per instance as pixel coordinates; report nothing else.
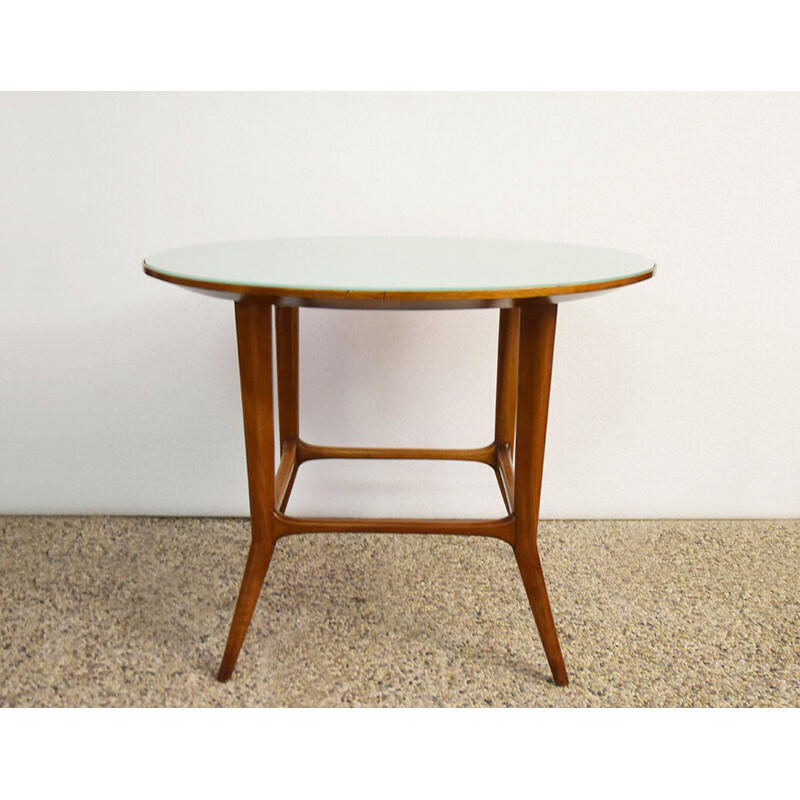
(254, 573)
(530, 568)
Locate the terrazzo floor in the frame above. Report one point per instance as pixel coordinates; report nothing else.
(132, 611)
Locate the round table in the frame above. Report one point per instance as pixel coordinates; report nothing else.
(525, 280)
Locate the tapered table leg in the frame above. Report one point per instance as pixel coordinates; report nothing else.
(536, 340)
(254, 338)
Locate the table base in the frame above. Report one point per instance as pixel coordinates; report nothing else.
(525, 357)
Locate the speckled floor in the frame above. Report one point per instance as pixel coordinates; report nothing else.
(123, 611)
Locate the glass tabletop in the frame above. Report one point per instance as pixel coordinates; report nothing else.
(397, 265)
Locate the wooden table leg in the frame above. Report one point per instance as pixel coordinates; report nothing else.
(537, 337)
(254, 338)
(287, 355)
(507, 368)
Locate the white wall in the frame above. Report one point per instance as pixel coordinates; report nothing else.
(674, 398)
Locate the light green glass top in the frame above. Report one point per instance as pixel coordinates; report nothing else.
(384, 264)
